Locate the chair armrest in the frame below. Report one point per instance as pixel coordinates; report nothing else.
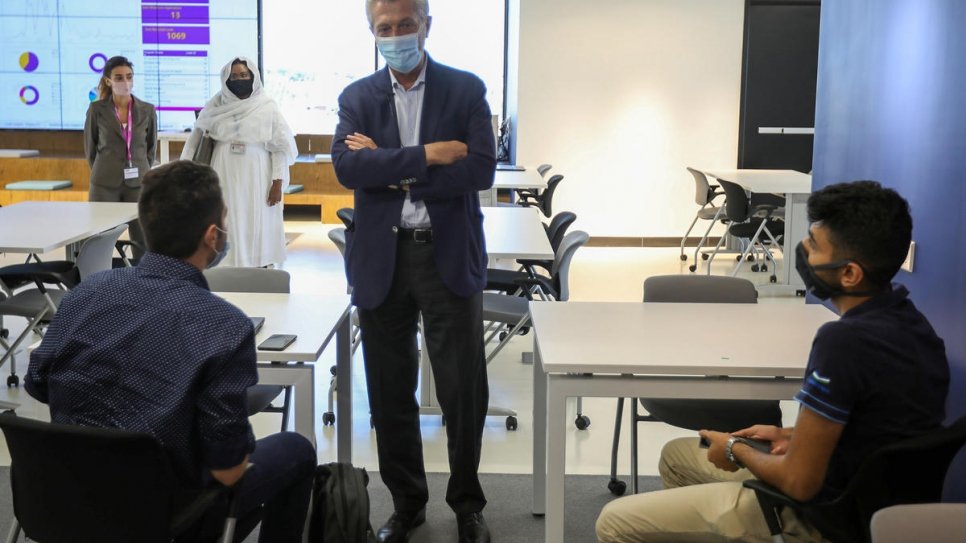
(54, 272)
(529, 265)
(771, 493)
(543, 283)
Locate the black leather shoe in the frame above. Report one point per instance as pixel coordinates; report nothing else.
(399, 525)
(472, 528)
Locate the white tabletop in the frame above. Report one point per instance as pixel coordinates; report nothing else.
(18, 153)
(527, 179)
(311, 317)
(39, 227)
(173, 136)
(777, 181)
(662, 339)
(515, 232)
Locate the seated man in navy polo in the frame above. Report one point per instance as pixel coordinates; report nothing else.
(151, 349)
(876, 376)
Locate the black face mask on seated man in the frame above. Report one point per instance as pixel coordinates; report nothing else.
(814, 284)
(240, 87)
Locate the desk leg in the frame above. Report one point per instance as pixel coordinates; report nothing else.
(343, 370)
(165, 151)
(539, 434)
(301, 377)
(796, 228)
(556, 458)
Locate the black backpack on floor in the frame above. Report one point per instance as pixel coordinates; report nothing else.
(340, 510)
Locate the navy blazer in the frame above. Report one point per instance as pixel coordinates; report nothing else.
(454, 108)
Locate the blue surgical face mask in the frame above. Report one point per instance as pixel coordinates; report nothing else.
(402, 53)
(220, 255)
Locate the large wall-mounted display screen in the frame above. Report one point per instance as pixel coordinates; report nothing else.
(52, 53)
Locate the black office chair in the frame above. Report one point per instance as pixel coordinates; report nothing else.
(77, 483)
(910, 471)
(723, 415)
(523, 194)
(750, 223)
(543, 200)
(502, 280)
(704, 196)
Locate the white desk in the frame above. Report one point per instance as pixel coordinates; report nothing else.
(644, 350)
(509, 179)
(796, 187)
(515, 232)
(510, 232)
(40, 227)
(18, 153)
(164, 141)
(316, 320)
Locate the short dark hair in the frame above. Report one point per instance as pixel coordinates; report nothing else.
(867, 223)
(178, 202)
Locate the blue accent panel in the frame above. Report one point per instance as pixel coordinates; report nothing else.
(891, 106)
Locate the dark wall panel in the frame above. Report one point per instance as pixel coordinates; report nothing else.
(891, 106)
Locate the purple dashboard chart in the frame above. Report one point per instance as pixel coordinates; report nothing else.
(52, 53)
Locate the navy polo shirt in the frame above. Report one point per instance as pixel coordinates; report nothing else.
(151, 349)
(880, 370)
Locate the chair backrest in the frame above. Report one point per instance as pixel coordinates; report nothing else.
(736, 201)
(702, 188)
(345, 215)
(97, 251)
(932, 522)
(910, 471)
(77, 483)
(337, 235)
(558, 227)
(560, 272)
(699, 289)
(248, 280)
(546, 197)
(543, 169)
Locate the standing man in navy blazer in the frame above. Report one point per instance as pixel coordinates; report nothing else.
(414, 142)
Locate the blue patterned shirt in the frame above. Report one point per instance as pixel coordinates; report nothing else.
(151, 349)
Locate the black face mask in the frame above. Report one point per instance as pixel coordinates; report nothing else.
(813, 283)
(240, 87)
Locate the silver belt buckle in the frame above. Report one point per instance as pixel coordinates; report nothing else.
(422, 235)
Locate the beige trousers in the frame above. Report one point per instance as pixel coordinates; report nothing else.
(700, 503)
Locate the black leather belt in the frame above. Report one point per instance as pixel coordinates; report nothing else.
(419, 235)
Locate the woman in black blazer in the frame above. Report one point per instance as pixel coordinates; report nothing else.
(120, 136)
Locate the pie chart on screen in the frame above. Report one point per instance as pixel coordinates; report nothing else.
(29, 61)
(29, 95)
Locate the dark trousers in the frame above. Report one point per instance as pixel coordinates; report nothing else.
(280, 480)
(453, 329)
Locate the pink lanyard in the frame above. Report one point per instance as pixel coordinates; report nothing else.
(126, 130)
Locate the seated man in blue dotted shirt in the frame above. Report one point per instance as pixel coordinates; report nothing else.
(151, 349)
(876, 376)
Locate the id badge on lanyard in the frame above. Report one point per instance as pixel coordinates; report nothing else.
(130, 170)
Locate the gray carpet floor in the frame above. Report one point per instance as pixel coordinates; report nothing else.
(507, 513)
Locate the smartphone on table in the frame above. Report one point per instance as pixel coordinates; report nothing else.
(277, 342)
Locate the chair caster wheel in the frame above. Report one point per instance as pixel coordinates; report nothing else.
(754, 267)
(502, 336)
(738, 258)
(773, 279)
(704, 256)
(582, 422)
(692, 267)
(750, 258)
(328, 418)
(13, 381)
(511, 423)
(4, 333)
(684, 258)
(764, 267)
(524, 330)
(800, 293)
(332, 370)
(617, 487)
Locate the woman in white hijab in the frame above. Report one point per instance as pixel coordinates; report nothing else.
(254, 148)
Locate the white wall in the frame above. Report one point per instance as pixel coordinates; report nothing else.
(620, 96)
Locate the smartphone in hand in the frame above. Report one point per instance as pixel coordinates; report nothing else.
(277, 342)
(757, 444)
